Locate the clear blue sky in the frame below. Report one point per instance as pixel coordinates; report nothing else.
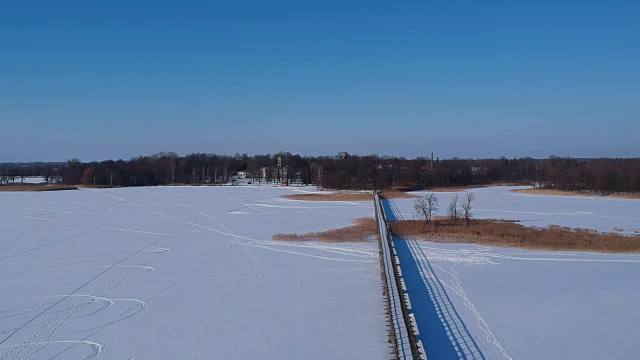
(116, 79)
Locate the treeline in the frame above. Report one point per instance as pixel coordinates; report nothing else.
(343, 171)
(593, 175)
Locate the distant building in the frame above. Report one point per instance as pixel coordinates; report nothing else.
(264, 172)
(343, 154)
(243, 174)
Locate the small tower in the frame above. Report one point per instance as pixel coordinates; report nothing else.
(280, 173)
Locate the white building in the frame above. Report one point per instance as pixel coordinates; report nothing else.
(243, 174)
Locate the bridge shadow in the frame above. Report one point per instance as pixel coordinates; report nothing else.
(443, 334)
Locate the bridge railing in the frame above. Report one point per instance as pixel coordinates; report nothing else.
(403, 324)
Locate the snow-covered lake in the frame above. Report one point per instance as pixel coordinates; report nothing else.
(192, 273)
(518, 304)
(499, 202)
(500, 303)
(184, 273)
(30, 180)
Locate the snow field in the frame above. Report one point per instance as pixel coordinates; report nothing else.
(499, 202)
(184, 273)
(519, 304)
(500, 303)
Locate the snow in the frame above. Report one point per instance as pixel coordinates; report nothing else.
(30, 180)
(400, 326)
(499, 202)
(184, 273)
(476, 302)
(192, 273)
(517, 304)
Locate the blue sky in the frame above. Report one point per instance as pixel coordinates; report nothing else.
(116, 79)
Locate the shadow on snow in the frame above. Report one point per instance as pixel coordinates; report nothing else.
(442, 332)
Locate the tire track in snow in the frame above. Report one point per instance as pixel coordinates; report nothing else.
(239, 239)
(61, 267)
(50, 327)
(126, 314)
(97, 347)
(221, 249)
(121, 317)
(246, 249)
(135, 231)
(252, 241)
(43, 269)
(108, 303)
(53, 243)
(25, 233)
(65, 314)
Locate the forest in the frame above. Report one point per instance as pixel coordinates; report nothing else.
(342, 171)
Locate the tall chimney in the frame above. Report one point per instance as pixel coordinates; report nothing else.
(432, 159)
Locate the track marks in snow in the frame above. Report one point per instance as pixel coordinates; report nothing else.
(40, 247)
(574, 213)
(456, 256)
(563, 259)
(49, 328)
(463, 343)
(484, 256)
(96, 347)
(264, 244)
(67, 267)
(110, 267)
(238, 242)
(455, 328)
(136, 231)
(456, 287)
(24, 234)
(37, 327)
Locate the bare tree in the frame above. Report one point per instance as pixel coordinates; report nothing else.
(170, 159)
(426, 206)
(420, 207)
(466, 207)
(89, 177)
(452, 209)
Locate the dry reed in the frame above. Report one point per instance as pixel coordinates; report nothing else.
(335, 196)
(362, 230)
(349, 196)
(35, 187)
(511, 234)
(574, 193)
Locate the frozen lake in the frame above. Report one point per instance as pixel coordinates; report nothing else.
(184, 273)
(192, 273)
(499, 303)
(518, 304)
(499, 202)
